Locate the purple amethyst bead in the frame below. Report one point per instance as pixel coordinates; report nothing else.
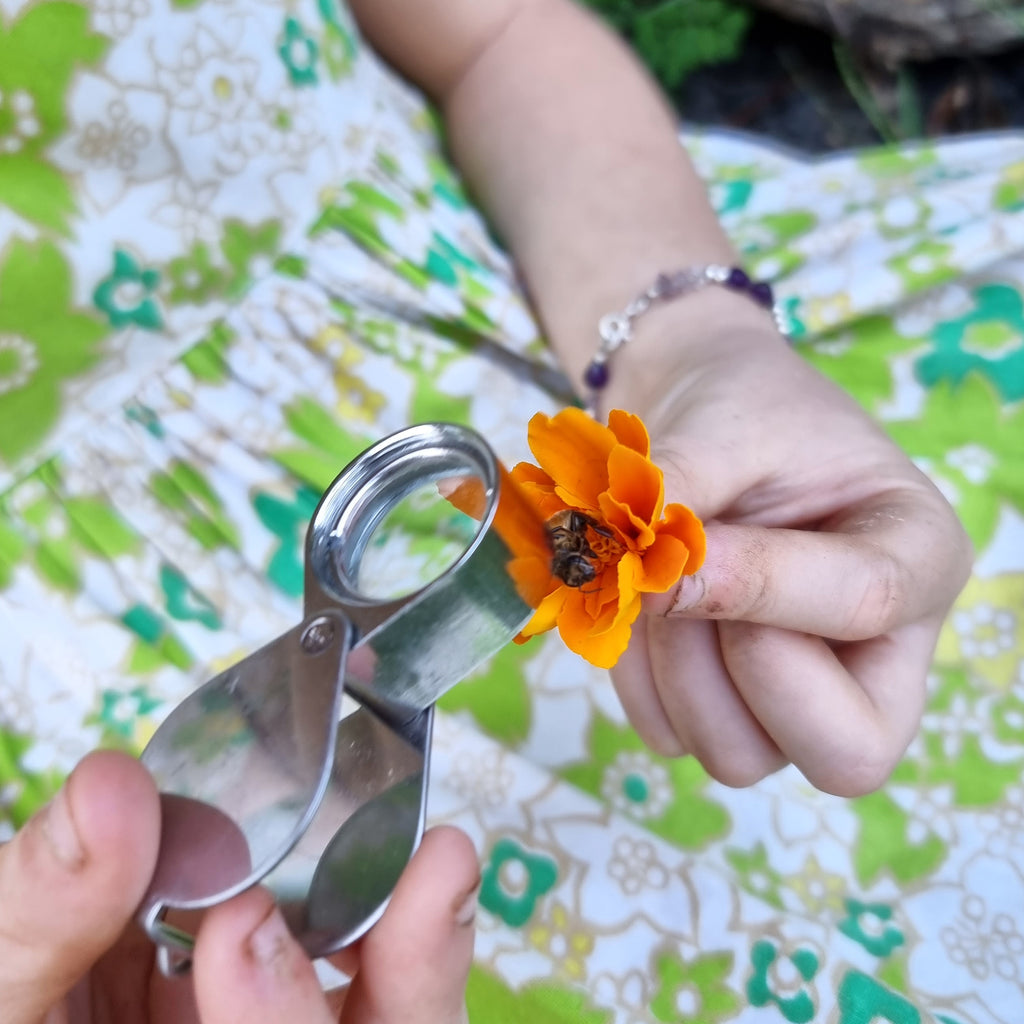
(761, 293)
(596, 375)
(737, 279)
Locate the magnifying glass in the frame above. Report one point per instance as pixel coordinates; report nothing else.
(266, 775)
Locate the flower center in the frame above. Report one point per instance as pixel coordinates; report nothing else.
(607, 550)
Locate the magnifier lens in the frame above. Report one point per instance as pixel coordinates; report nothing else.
(421, 535)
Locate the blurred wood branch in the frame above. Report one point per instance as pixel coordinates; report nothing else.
(894, 31)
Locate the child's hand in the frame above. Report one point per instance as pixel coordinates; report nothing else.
(832, 562)
(70, 881)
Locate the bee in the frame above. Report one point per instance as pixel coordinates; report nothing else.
(572, 554)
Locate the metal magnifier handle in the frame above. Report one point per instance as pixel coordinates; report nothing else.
(262, 779)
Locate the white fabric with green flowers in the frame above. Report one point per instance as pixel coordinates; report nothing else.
(232, 255)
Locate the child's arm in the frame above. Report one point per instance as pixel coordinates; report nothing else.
(832, 561)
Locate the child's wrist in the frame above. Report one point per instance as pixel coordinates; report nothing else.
(683, 338)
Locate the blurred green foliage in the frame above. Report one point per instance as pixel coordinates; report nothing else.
(675, 37)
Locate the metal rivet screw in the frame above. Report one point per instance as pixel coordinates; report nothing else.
(318, 635)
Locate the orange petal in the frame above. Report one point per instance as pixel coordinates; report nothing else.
(518, 523)
(630, 431)
(532, 577)
(602, 592)
(466, 493)
(517, 520)
(528, 473)
(662, 564)
(636, 490)
(636, 481)
(548, 612)
(573, 450)
(601, 649)
(683, 524)
(630, 571)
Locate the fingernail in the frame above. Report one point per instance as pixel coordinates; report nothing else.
(465, 912)
(59, 829)
(270, 939)
(689, 593)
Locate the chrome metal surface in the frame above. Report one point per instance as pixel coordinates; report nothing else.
(263, 779)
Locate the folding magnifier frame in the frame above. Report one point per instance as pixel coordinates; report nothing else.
(262, 777)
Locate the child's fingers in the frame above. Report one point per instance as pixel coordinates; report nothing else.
(248, 967)
(414, 963)
(70, 881)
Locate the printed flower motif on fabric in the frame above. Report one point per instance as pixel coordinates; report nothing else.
(863, 1000)
(325, 444)
(771, 244)
(114, 139)
(732, 189)
(1009, 191)
(989, 339)
(819, 890)
(18, 121)
(60, 534)
(962, 419)
(986, 940)
(300, 52)
(184, 602)
(785, 980)
(338, 43)
(54, 36)
(884, 843)
(967, 937)
(287, 520)
(923, 265)
(490, 998)
(694, 991)
(929, 811)
(635, 866)
(194, 278)
(604, 501)
(22, 790)
(245, 253)
(756, 874)
(497, 696)
(44, 341)
(485, 779)
(870, 925)
(125, 717)
(637, 785)
(183, 488)
(357, 399)
(117, 17)
(904, 215)
(157, 646)
(512, 881)
(961, 751)
(567, 940)
(665, 794)
(127, 295)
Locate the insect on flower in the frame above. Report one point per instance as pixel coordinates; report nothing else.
(573, 559)
(610, 535)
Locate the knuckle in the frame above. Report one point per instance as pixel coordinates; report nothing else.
(857, 773)
(881, 602)
(662, 742)
(740, 772)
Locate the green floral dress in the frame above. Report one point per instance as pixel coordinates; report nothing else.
(232, 255)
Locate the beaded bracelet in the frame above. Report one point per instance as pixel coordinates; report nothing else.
(616, 329)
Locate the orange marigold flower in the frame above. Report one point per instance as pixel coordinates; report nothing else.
(629, 541)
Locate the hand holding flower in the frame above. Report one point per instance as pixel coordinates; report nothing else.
(831, 563)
